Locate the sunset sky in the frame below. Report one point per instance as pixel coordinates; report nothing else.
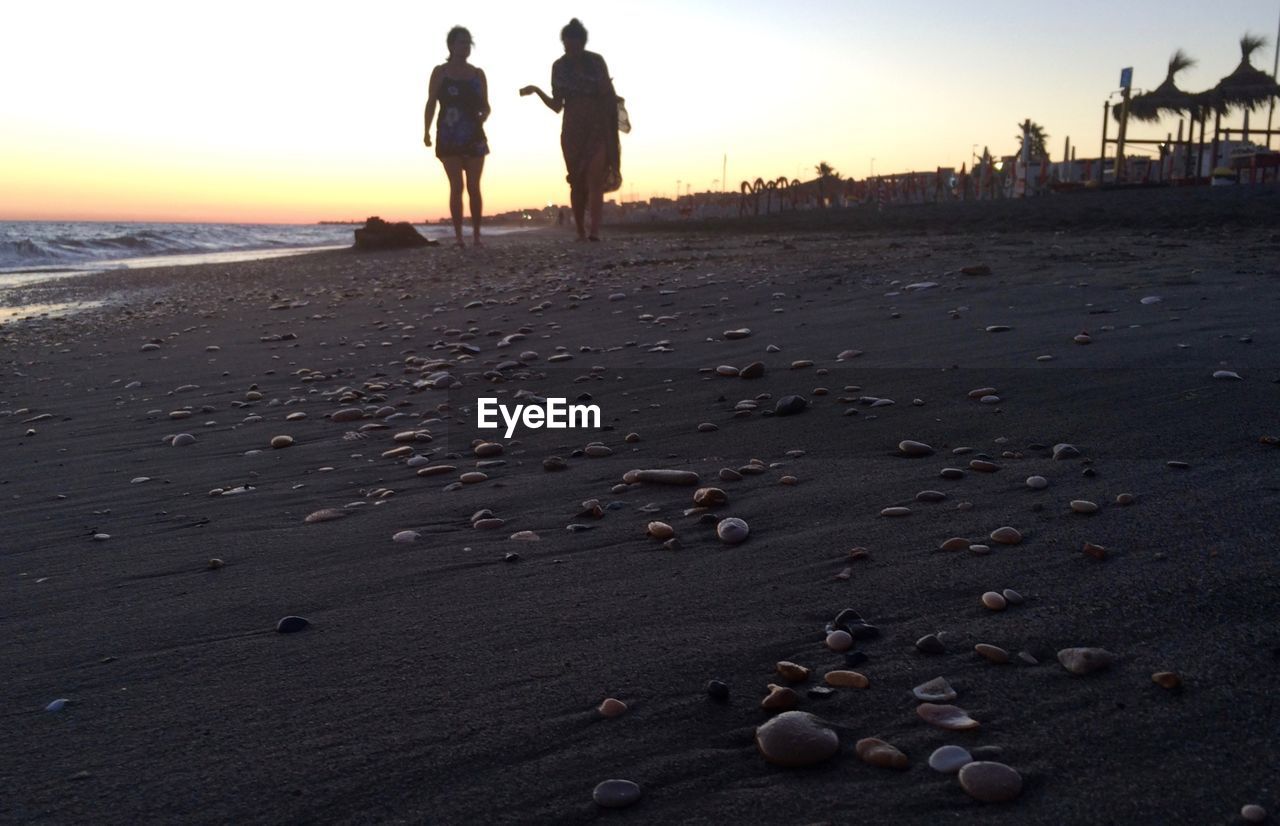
(288, 111)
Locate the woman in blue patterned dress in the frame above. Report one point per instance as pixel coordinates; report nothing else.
(462, 94)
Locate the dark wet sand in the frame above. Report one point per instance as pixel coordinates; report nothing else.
(440, 684)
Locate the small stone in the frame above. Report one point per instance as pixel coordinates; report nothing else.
(616, 794)
(718, 690)
(937, 690)
(790, 405)
(879, 753)
(709, 497)
(1083, 506)
(611, 708)
(791, 672)
(1006, 536)
(993, 600)
(846, 679)
(1096, 551)
(980, 550)
(999, 328)
(990, 782)
(661, 477)
(930, 496)
(741, 332)
(281, 442)
(1037, 482)
(983, 466)
(1227, 374)
(839, 640)
(1012, 597)
(994, 653)
(551, 463)
(1085, 660)
(1027, 658)
(952, 718)
(1065, 451)
(907, 447)
(292, 625)
(955, 543)
(897, 511)
(754, 370)
(215, 564)
(1253, 813)
(405, 536)
(183, 439)
(949, 759)
(796, 738)
(1167, 679)
(1082, 338)
(729, 475)
(324, 515)
(525, 536)
(930, 644)
(660, 531)
(57, 705)
(780, 698)
(1125, 499)
(951, 473)
(732, 531)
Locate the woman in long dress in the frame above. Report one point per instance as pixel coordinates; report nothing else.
(582, 89)
(462, 94)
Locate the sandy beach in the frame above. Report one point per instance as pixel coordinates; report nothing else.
(455, 678)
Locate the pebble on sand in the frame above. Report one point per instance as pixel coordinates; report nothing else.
(994, 653)
(660, 531)
(661, 477)
(1006, 536)
(182, 440)
(616, 794)
(291, 625)
(930, 644)
(1037, 482)
(839, 640)
(1083, 506)
(791, 672)
(405, 536)
(937, 690)
(779, 698)
(709, 497)
(949, 759)
(1253, 813)
(994, 601)
(990, 782)
(1085, 660)
(846, 679)
(955, 543)
(796, 738)
(879, 753)
(612, 707)
(57, 705)
(324, 515)
(279, 442)
(732, 530)
(1167, 679)
(908, 447)
(952, 718)
(896, 511)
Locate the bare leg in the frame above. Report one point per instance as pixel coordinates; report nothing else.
(578, 200)
(453, 168)
(475, 167)
(595, 178)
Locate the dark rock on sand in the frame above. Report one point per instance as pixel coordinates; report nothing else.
(377, 234)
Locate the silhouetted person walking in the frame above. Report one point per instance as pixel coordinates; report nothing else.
(462, 93)
(581, 87)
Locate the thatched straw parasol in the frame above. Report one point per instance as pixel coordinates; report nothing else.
(1166, 98)
(1247, 87)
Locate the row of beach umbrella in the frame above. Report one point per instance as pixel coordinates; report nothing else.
(1247, 87)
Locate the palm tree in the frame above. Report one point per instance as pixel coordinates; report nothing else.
(824, 170)
(1039, 141)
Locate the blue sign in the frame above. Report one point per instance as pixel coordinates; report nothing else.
(1126, 77)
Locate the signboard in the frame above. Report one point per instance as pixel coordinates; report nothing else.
(1126, 77)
